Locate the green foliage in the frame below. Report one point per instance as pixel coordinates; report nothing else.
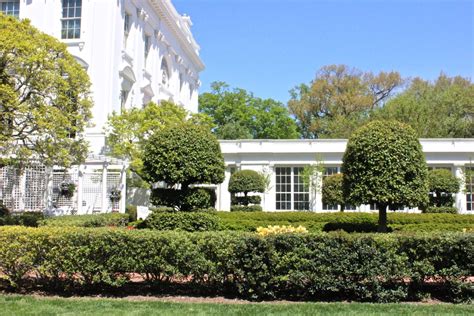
(191, 199)
(332, 192)
(239, 115)
(44, 96)
(339, 100)
(442, 108)
(374, 268)
(4, 211)
(245, 181)
(384, 164)
(441, 209)
(185, 154)
(129, 130)
(131, 210)
(443, 184)
(315, 222)
(245, 208)
(95, 220)
(245, 200)
(186, 221)
(29, 219)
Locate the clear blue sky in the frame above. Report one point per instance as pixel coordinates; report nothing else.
(270, 46)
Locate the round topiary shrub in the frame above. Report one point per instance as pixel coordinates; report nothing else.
(191, 199)
(332, 190)
(443, 185)
(384, 164)
(245, 181)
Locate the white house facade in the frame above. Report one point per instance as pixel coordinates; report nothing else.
(283, 160)
(134, 51)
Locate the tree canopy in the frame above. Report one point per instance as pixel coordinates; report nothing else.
(238, 114)
(384, 165)
(128, 131)
(339, 100)
(443, 108)
(44, 97)
(442, 184)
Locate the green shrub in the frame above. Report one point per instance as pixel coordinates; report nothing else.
(332, 190)
(364, 227)
(443, 185)
(187, 221)
(441, 209)
(95, 220)
(29, 219)
(245, 200)
(245, 181)
(243, 208)
(191, 199)
(131, 210)
(4, 211)
(333, 266)
(384, 165)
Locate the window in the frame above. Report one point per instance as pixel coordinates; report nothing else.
(71, 21)
(126, 28)
(469, 179)
(165, 75)
(291, 192)
(11, 8)
(147, 44)
(327, 172)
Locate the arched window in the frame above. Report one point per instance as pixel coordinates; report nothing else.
(165, 74)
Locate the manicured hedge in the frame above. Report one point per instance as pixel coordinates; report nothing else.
(92, 220)
(331, 266)
(315, 222)
(30, 219)
(187, 221)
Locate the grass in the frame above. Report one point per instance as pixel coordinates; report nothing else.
(29, 305)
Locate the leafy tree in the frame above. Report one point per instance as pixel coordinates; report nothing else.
(444, 108)
(384, 164)
(129, 130)
(183, 155)
(44, 97)
(246, 181)
(332, 192)
(312, 176)
(239, 115)
(339, 100)
(442, 184)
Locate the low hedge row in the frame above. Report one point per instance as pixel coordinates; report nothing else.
(91, 220)
(331, 266)
(315, 222)
(187, 221)
(30, 219)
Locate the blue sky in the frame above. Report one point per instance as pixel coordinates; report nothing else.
(269, 46)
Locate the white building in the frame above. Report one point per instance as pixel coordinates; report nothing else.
(283, 161)
(135, 51)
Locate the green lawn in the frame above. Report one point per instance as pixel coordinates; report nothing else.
(28, 305)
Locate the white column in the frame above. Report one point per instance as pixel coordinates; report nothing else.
(80, 189)
(104, 189)
(269, 201)
(123, 189)
(21, 190)
(223, 203)
(461, 195)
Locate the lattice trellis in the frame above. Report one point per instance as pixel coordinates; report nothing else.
(113, 182)
(92, 192)
(60, 201)
(35, 188)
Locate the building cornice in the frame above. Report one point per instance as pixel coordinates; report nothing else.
(168, 13)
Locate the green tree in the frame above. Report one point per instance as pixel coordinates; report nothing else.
(339, 100)
(332, 192)
(44, 97)
(442, 185)
(182, 155)
(384, 164)
(443, 108)
(312, 176)
(128, 131)
(240, 115)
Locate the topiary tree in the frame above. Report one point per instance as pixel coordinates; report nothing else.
(384, 164)
(442, 184)
(181, 156)
(332, 192)
(246, 181)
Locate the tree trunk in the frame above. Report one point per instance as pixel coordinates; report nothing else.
(382, 218)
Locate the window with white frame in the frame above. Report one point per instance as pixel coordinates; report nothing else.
(10, 7)
(469, 179)
(147, 44)
(291, 192)
(127, 19)
(71, 20)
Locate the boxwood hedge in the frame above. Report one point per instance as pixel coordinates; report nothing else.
(325, 266)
